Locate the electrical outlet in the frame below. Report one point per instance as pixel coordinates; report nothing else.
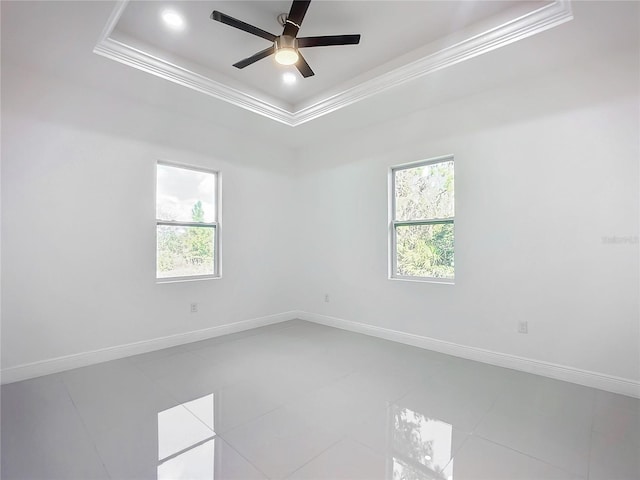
(326, 297)
(194, 307)
(523, 327)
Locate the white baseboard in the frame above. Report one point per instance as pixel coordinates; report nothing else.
(569, 374)
(68, 362)
(601, 381)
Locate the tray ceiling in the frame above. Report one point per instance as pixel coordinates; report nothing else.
(401, 40)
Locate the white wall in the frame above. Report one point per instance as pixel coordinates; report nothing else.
(544, 170)
(78, 233)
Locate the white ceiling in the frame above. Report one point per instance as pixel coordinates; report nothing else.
(389, 30)
(54, 41)
(400, 40)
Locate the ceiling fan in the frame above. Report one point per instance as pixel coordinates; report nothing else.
(285, 47)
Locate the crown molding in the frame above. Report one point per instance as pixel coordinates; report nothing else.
(535, 22)
(525, 26)
(120, 52)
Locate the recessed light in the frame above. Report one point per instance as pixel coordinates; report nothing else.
(173, 19)
(289, 78)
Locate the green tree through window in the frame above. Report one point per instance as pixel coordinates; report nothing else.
(199, 241)
(423, 219)
(186, 226)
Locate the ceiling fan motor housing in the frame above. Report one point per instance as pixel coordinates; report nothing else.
(285, 41)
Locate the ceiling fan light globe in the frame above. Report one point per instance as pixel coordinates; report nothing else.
(286, 50)
(287, 56)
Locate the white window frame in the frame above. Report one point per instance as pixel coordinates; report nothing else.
(393, 223)
(217, 270)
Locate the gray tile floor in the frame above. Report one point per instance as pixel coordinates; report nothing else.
(300, 401)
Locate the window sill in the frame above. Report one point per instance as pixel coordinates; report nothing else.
(443, 281)
(195, 278)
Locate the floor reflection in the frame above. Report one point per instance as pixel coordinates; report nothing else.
(419, 446)
(186, 440)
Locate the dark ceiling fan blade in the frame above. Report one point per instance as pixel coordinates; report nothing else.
(328, 40)
(254, 58)
(303, 67)
(295, 17)
(239, 24)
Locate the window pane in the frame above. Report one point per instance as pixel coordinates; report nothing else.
(425, 250)
(184, 251)
(424, 192)
(185, 195)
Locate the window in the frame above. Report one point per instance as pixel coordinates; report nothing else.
(422, 215)
(187, 228)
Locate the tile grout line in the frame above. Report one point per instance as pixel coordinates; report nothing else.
(493, 404)
(342, 438)
(531, 456)
(186, 449)
(172, 396)
(216, 434)
(203, 358)
(243, 423)
(349, 437)
(232, 447)
(484, 415)
(220, 435)
(458, 450)
(85, 428)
